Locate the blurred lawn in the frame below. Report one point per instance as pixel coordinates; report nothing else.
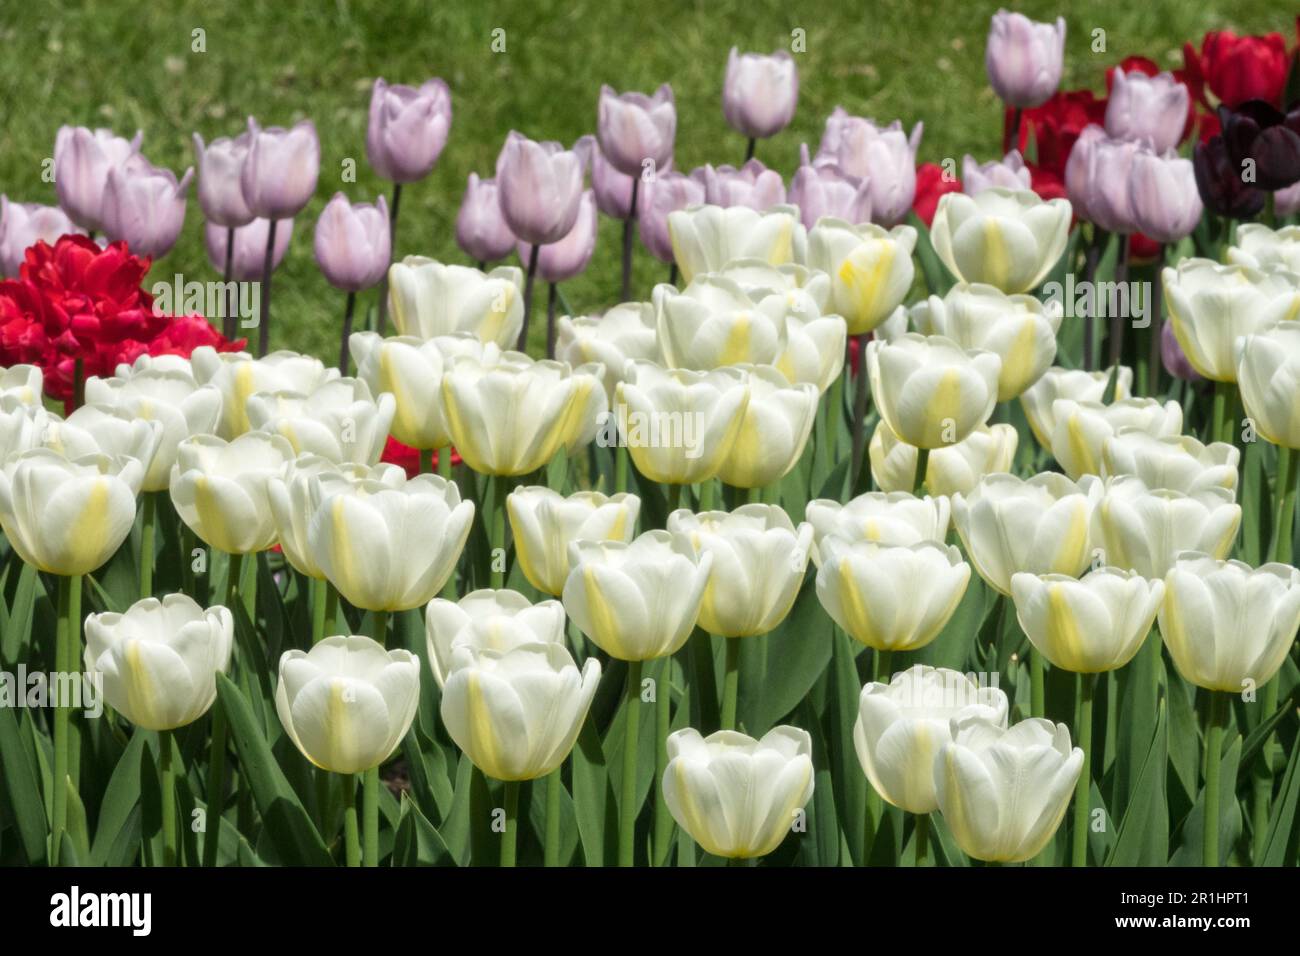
(129, 66)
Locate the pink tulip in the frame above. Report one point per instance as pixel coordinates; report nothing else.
(82, 160)
(883, 157)
(613, 189)
(22, 225)
(481, 230)
(635, 130)
(1286, 202)
(408, 129)
(220, 165)
(144, 206)
(539, 187)
(1024, 58)
(250, 247)
(279, 175)
(568, 258)
(827, 190)
(752, 185)
(760, 92)
(1009, 172)
(664, 194)
(1151, 109)
(1097, 180)
(352, 243)
(1162, 196)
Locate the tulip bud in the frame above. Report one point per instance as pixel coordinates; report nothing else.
(891, 518)
(624, 332)
(634, 129)
(488, 620)
(249, 254)
(568, 258)
(825, 190)
(544, 523)
(1268, 373)
(410, 370)
(1151, 109)
(1218, 180)
(614, 189)
(1260, 136)
(82, 160)
(429, 299)
(219, 489)
(221, 165)
(774, 429)
(1144, 529)
(950, 469)
(706, 238)
(1259, 247)
(144, 206)
(881, 156)
(1006, 239)
(1109, 184)
(407, 129)
(1010, 172)
(1024, 58)
(237, 375)
(658, 198)
(871, 269)
(22, 225)
(352, 243)
(1081, 386)
(1179, 462)
(539, 187)
(280, 172)
(481, 230)
(752, 185)
(930, 390)
(1162, 196)
(759, 93)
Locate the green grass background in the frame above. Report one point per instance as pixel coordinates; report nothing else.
(129, 65)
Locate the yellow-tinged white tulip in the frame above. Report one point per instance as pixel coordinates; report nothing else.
(1072, 383)
(67, 517)
(105, 430)
(388, 544)
(589, 411)
(679, 426)
(773, 429)
(640, 600)
(1228, 626)
(706, 238)
(23, 383)
(1019, 329)
(160, 659)
(1259, 247)
(1090, 624)
(219, 488)
(715, 321)
(410, 369)
(488, 620)
(759, 560)
(1080, 429)
(516, 713)
(23, 426)
(544, 523)
(1211, 305)
(738, 797)
(930, 390)
(238, 376)
(892, 518)
(901, 726)
(1145, 529)
(891, 598)
(623, 333)
(1005, 238)
(1268, 373)
(347, 703)
(340, 420)
(949, 470)
(1003, 791)
(870, 267)
(429, 299)
(1179, 462)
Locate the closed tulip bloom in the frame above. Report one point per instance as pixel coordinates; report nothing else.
(930, 390)
(22, 426)
(1111, 178)
(22, 383)
(481, 230)
(738, 797)
(759, 559)
(67, 517)
(773, 429)
(280, 172)
(219, 489)
(347, 703)
(144, 206)
(679, 426)
(340, 420)
(891, 598)
(1010, 172)
(568, 258)
(1212, 305)
(22, 225)
(623, 333)
(352, 243)
(1004, 238)
(640, 600)
(1179, 462)
(429, 299)
(823, 189)
(1040, 398)
(407, 129)
(759, 93)
(1081, 428)
(891, 518)
(884, 157)
(1258, 133)
(752, 185)
(1268, 372)
(715, 321)
(410, 370)
(1162, 196)
(950, 469)
(658, 198)
(160, 659)
(633, 128)
(613, 189)
(901, 726)
(871, 269)
(1080, 183)
(1259, 247)
(544, 523)
(1218, 180)
(1024, 58)
(1229, 626)
(103, 430)
(237, 375)
(539, 187)
(1147, 108)
(248, 257)
(1003, 791)
(1145, 529)
(220, 166)
(706, 238)
(82, 160)
(488, 620)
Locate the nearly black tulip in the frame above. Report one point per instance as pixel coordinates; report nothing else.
(1218, 180)
(1257, 133)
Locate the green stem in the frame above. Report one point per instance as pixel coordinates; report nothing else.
(444, 463)
(148, 520)
(922, 823)
(730, 682)
(632, 726)
(509, 838)
(1283, 526)
(64, 662)
(331, 608)
(351, 835)
(551, 847)
(233, 573)
(426, 461)
(216, 785)
(834, 409)
(857, 427)
(319, 599)
(167, 785)
(706, 495)
(497, 532)
(1087, 687)
(663, 832)
(1213, 767)
(922, 466)
(379, 624)
(370, 812)
(620, 468)
(1037, 679)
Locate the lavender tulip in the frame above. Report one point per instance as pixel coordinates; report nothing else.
(1097, 179)
(408, 129)
(1162, 196)
(539, 187)
(351, 244)
(1173, 358)
(752, 185)
(220, 166)
(568, 258)
(481, 230)
(613, 189)
(249, 249)
(1151, 109)
(1286, 202)
(634, 129)
(826, 190)
(144, 206)
(666, 193)
(883, 157)
(1078, 168)
(280, 172)
(1024, 58)
(1009, 172)
(82, 159)
(759, 93)
(22, 225)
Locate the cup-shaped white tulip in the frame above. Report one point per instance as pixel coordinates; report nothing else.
(930, 390)
(589, 410)
(23, 426)
(429, 299)
(160, 659)
(1145, 529)
(773, 429)
(23, 383)
(715, 321)
(488, 620)
(1179, 462)
(544, 523)
(1080, 429)
(1260, 247)
(237, 375)
(623, 333)
(1229, 626)
(104, 430)
(1003, 791)
(738, 797)
(901, 726)
(1212, 305)
(388, 545)
(347, 703)
(516, 713)
(1041, 525)
(870, 267)
(706, 238)
(636, 601)
(758, 562)
(409, 369)
(679, 426)
(219, 488)
(948, 470)
(892, 518)
(67, 517)
(1005, 238)
(890, 598)
(1268, 373)
(340, 420)
(1073, 383)
(1090, 624)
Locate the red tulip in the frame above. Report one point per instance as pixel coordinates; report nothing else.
(930, 185)
(1236, 69)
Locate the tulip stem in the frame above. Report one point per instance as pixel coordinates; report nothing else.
(509, 836)
(1220, 411)
(620, 468)
(749, 149)
(1280, 547)
(148, 521)
(167, 785)
(629, 226)
(319, 598)
(1156, 326)
(551, 846)
(370, 797)
(631, 740)
(832, 413)
(1037, 682)
(331, 608)
(264, 320)
(443, 456)
(1117, 320)
(663, 831)
(497, 532)
(859, 411)
(706, 495)
(1087, 687)
(921, 823)
(216, 785)
(672, 274)
(351, 837)
(884, 665)
(228, 321)
(349, 307)
(551, 290)
(394, 207)
(730, 682)
(1216, 718)
(922, 466)
(522, 344)
(65, 661)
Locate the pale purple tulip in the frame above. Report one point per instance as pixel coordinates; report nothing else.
(1150, 109)
(1097, 179)
(827, 190)
(660, 196)
(1162, 195)
(1173, 358)
(539, 187)
(22, 225)
(352, 243)
(144, 206)
(752, 185)
(408, 129)
(82, 159)
(613, 189)
(1078, 169)
(279, 175)
(1286, 202)
(760, 92)
(635, 130)
(220, 165)
(1024, 58)
(481, 230)
(568, 258)
(884, 157)
(1009, 172)
(250, 247)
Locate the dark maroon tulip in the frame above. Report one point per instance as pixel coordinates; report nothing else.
(1258, 132)
(1218, 180)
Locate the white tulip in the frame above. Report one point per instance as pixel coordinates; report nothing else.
(339, 420)
(105, 430)
(1259, 247)
(410, 369)
(1080, 429)
(23, 426)
(870, 267)
(1144, 529)
(237, 375)
(1268, 373)
(23, 383)
(488, 620)
(706, 238)
(1072, 383)
(623, 333)
(773, 429)
(429, 299)
(1006, 238)
(544, 523)
(930, 390)
(1179, 462)
(890, 518)
(953, 468)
